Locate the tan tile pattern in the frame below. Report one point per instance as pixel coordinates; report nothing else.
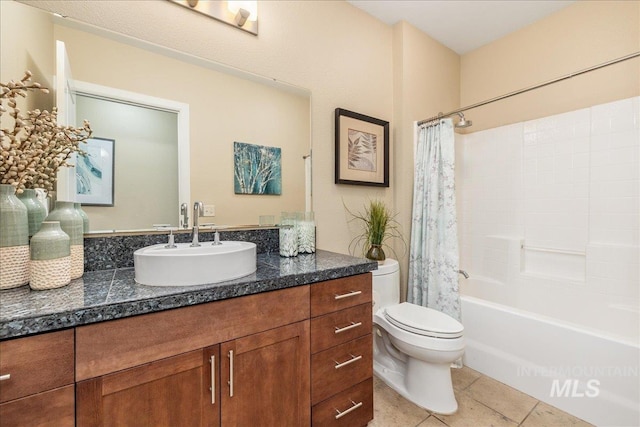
(544, 415)
(511, 403)
(391, 409)
(463, 377)
(482, 402)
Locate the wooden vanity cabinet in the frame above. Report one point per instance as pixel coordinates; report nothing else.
(36, 386)
(258, 351)
(291, 357)
(342, 352)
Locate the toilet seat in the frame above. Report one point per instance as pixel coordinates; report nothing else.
(423, 321)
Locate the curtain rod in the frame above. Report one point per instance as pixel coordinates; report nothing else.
(530, 88)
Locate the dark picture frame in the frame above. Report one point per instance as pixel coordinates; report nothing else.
(95, 173)
(361, 149)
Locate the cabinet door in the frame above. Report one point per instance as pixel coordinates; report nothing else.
(265, 378)
(170, 392)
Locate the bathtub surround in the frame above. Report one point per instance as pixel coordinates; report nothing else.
(550, 224)
(433, 256)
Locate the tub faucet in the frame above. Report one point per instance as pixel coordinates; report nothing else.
(464, 273)
(198, 210)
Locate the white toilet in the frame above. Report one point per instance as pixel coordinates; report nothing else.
(413, 346)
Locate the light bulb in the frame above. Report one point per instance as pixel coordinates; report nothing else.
(250, 6)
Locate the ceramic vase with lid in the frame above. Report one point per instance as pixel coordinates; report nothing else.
(14, 239)
(50, 257)
(36, 211)
(71, 223)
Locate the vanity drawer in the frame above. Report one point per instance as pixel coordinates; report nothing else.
(35, 364)
(341, 367)
(339, 327)
(350, 408)
(334, 295)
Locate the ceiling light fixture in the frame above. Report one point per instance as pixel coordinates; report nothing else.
(240, 14)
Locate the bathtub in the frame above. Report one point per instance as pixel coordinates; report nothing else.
(589, 373)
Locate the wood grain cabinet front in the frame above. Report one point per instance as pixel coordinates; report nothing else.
(256, 370)
(342, 352)
(36, 380)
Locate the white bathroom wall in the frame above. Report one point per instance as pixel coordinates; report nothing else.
(549, 213)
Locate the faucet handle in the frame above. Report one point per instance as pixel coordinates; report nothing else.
(164, 227)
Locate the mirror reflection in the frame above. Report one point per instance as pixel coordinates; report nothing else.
(223, 108)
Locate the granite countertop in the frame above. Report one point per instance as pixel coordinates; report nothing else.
(113, 294)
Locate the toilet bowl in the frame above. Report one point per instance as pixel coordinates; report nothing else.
(414, 346)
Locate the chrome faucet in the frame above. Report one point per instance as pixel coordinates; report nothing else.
(464, 273)
(184, 211)
(198, 210)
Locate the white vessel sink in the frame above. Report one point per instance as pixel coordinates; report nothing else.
(185, 266)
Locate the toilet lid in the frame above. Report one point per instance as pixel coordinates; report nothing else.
(423, 321)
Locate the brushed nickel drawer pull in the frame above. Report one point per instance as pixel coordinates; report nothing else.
(348, 362)
(346, 328)
(347, 295)
(5, 377)
(346, 411)
(230, 373)
(212, 360)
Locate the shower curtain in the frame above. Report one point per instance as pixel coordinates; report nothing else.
(433, 253)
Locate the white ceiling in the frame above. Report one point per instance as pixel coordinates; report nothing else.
(462, 25)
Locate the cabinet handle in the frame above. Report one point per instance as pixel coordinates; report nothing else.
(346, 328)
(230, 373)
(212, 360)
(346, 411)
(347, 295)
(348, 362)
(5, 377)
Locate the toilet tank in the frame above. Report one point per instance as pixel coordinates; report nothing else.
(386, 284)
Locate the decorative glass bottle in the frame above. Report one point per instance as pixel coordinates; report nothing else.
(36, 211)
(288, 235)
(50, 257)
(306, 233)
(14, 239)
(71, 223)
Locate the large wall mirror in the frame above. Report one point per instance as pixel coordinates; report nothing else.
(224, 106)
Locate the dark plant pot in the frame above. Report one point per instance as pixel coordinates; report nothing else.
(375, 253)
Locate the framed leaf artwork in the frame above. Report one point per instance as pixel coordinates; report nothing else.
(362, 149)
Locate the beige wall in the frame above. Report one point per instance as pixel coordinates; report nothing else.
(426, 79)
(579, 36)
(341, 54)
(20, 53)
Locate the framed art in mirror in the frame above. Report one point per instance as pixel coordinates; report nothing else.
(94, 173)
(362, 149)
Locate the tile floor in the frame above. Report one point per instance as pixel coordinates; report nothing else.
(482, 402)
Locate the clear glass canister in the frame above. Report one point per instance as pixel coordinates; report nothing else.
(306, 233)
(288, 234)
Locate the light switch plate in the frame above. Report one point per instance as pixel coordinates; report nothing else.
(209, 210)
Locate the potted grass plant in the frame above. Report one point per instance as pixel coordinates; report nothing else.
(378, 226)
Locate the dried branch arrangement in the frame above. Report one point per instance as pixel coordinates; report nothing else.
(32, 151)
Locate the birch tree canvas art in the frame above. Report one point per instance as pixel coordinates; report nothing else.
(257, 169)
